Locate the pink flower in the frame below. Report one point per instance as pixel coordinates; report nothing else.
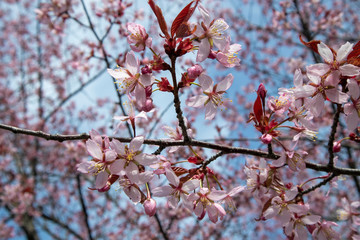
(204, 202)
(130, 79)
(226, 197)
(324, 231)
(138, 39)
(294, 160)
(257, 176)
(213, 97)
(210, 33)
(349, 211)
(297, 226)
(320, 89)
(102, 159)
(228, 56)
(129, 158)
(177, 190)
(130, 118)
(334, 63)
(131, 189)
(176, 134)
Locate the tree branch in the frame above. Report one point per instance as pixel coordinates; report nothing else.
(196, 143)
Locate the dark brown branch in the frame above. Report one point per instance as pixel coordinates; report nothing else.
(332, 135)
(177, 102)
(166, 143)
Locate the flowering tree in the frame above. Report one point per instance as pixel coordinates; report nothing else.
(57, 182)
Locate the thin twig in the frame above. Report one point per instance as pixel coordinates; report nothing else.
(83, 207)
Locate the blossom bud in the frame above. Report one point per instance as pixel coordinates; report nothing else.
(148, 106)
(266, 138)
(146, 70)
(150, 207)
(337, 147)
(195, 160)
(194, 71)
(262, 92)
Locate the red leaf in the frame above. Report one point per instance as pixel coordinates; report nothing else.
(312, 44)
(355, 52)
(160, 18)
(182, 17)
(258, 111)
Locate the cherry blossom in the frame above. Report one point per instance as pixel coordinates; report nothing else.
(228, 56)
(204, 202)
(213, 98)
(210, 33)
(177, 189)
(334, 62)
(129, 157)
(130, 79)
(99, 165)
(138, 39)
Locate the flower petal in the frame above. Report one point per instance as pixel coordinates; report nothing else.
(94, 149)
(225, 83)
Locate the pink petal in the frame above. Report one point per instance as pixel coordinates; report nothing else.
(136, 143)
(101, 179)
(146, 159)
(118, 74)
(132, 172)
(172, 178)
(131, 63)
(133, 194)
(163, 191)
(94, 149)
(199, 209)
(206, 83)
(118, 147)
(197, 101)
(110, 156)
(325, 52)
(336, 96)
(354, 88)
(311, 219)
(210, 110)
(191, 185)
(298, 78)
(344, 51)
(225, 83)
(318, 69)
(204, 50)
(117, 167)
(349, 70)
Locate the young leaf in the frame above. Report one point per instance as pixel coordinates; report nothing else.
(160, 17)
(182, 17)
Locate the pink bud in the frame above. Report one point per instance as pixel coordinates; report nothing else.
(266, 138)
(337, 147)
(148, 106)
(150, 207)
(262, 92)
(194, 71)
(146, 70)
